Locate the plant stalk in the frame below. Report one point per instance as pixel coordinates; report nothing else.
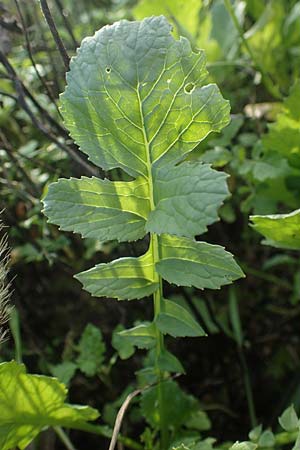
(157, 299)
(64, 438)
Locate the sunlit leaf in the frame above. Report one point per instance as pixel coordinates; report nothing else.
(281, 230)
(30, 403)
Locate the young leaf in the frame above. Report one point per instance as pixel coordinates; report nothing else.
(142, 335)
(281, 230)
(187, 199)
(289, 419)
(177, 321)
(99, 209)
(189, 263)
(178, 406)
(167, 362)
(267, 439)
(124, 278)
(64, 372)
(91, 350)
(255, 433)
(243, 446)
(284, 135)
(30, 403)
(123, 346)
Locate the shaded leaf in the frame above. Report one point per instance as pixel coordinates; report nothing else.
(187, 199)
(64, 372)
(267, 439)
(142, 335)
(169, 363)
(178, 406)
(123, 346)
(91, 351)
(177, 321)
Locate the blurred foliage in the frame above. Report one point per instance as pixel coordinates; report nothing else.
(252, 352)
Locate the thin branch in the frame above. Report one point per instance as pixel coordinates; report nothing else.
(29, 51)
(66, 22)
(120, 417)
(22, 91)
(12, 75)
(28, 181)
(54, 32)
(64, 438)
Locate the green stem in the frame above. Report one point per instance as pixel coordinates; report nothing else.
(64, 438)
(248, 389)
(267, 80)
(158, 295)
(157, 299)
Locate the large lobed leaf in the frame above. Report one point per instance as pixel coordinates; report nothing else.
(30, 403)
(136, 100)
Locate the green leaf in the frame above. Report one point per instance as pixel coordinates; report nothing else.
(185, 262)
(178, 406)
(187, 199)
(177, 321)
(167, 362)
(183, 14)
(29, 403)
(182, 447)
(289, 419)
(91, 351)
(267, 439)
(99, 209)
(142, 335)
(199, 421)
(154, 108)
(64, 371)
(255, 433)
(284, 135)
(124, 278)
(123, 346)
(243, 446)
(281, 230)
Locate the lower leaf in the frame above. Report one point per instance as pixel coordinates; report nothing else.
(29, 403)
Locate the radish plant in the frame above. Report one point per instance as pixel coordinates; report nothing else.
(137, 101)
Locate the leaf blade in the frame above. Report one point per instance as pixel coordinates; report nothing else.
(98, 208)
(124, 278)
(31, 402)
(189, 263)
(177, 321)
(187, 199)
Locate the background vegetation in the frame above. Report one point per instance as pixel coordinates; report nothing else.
(248, 369)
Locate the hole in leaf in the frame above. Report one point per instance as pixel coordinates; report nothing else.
(108, 70)
(188, 88)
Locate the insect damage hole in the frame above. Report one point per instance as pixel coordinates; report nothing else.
(189, 87)
(108, 69)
